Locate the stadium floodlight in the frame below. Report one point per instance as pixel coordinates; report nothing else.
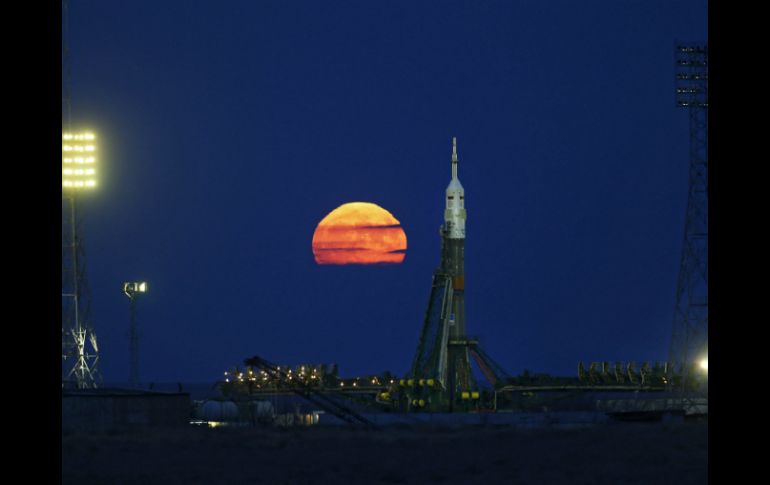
(78, 161)
(132, 288)
(692, 76)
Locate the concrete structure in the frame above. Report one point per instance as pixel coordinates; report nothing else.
(103, 410)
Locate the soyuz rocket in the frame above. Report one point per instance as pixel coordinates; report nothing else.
(454, 215)
(453, 247)
(443, 351)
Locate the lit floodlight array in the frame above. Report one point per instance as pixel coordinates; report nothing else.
(78, 161)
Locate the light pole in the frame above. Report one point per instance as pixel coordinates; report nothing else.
(131, 290)
(79, 359)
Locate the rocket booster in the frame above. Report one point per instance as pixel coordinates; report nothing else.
(454, 214)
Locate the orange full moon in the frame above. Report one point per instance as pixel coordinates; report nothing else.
(359, 233)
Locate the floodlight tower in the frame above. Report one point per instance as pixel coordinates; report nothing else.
(689, 341)
(79, 361)
(132, 290)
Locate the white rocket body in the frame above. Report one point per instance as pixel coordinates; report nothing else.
(454, 214)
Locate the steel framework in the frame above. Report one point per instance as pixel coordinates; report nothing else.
(689, 341)
(80, 351)
(312, 394)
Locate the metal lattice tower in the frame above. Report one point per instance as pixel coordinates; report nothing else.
(689, 341)
(80, 351)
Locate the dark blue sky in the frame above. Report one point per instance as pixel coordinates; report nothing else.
(228, 130)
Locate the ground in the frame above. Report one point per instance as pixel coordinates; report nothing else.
(615, 453)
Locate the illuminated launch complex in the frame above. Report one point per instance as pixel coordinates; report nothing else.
(450, 374)
(441, 378)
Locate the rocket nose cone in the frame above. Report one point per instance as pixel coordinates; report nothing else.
(455, 186)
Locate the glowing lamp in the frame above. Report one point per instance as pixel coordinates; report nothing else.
(78, 161)
(130, 289)
(704, 364)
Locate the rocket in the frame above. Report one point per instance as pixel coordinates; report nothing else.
(447, 358)
(453, 247)
(454, 214)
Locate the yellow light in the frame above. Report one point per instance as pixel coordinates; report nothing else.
(78, 183)
(78, 171)
(704, 364)
(82, 136)
(78, 148)
(74, 147)
(78, 160)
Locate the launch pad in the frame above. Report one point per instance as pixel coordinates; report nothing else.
(441, 378)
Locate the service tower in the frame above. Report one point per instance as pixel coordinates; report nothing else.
(441, 377)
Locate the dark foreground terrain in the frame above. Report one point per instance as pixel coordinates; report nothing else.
(617, 453)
